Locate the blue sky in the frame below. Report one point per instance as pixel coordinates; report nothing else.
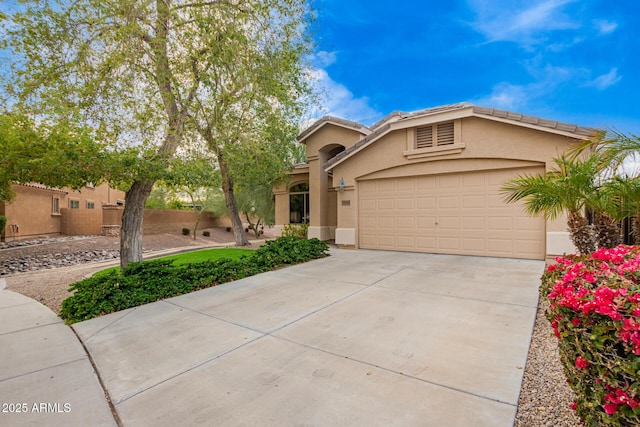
(575, 61)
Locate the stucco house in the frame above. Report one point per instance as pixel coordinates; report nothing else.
(427, 181)
(38, 210)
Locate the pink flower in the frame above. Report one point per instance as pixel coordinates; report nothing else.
(574, 405)
(620, 397)
(576, 321)
(610, 408)
(582, 363)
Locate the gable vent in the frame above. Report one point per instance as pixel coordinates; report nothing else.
(424, 137)
(445, 133)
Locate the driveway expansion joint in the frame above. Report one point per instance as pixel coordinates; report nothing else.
(402, 374)
(24, 374)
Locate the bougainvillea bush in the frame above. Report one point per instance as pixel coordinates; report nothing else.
(595, 313)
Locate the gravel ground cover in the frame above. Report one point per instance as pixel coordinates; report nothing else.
(544, 396)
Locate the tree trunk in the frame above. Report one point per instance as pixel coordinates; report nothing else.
(230, 200)
(607, 231)
(581, 233)
(195, 226)
(636, 229)
(131, 231)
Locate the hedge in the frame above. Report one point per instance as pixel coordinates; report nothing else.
(595, 313)
(149, 281)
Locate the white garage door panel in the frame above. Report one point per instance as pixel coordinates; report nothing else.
(452, 213)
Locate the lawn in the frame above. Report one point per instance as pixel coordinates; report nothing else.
(193, 257)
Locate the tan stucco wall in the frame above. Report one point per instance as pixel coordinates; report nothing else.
(479, 144)
(331, 134)
(32, 209)
(483, 139)
(487, 145)
(158, 221)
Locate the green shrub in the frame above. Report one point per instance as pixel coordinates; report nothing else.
(206, 233)
(185, 231)
(148, 281)
(595, 313)
(3, 223)
(299, 231)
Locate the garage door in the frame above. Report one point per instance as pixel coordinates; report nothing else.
(461, 213)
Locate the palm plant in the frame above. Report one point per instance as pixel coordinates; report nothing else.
(567, 187)
(627, 202)
(617, 152)
(606, 204)
(616, 148)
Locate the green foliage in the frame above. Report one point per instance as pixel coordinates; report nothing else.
(175, 204)
(158, 198)
(149, 281)
(193, 257)
(64, 154)
(185, 231)
(3, 223)
(594, 311)
(572, 185)
(299, 231)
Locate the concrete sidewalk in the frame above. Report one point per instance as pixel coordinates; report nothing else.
(46, 378)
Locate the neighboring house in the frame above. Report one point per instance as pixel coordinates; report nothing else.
(38, 210)
(427, 181)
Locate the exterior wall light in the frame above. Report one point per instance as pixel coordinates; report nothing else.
(341, 185)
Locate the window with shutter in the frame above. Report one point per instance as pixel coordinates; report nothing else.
(445, 134)
(424, 137)
(434, 140)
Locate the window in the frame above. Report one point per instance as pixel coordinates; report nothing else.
(74, 204)
(55, 205)
(299, 204)
(90, 205)
(434, 135)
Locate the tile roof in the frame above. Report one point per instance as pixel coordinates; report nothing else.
(332, 119)
(41, 187)
(552, 124)
(384, 125)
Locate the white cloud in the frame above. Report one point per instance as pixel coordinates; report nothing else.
(606, 80)
(505, 96)
(508, 96)
(324, 59)
(338, 100)
(335, 98)
(520, 24)
(605, 27)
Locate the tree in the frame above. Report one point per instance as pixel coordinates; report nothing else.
(132, 71)
(61, 155)
(565, 188)
(257, 204)
(249, 103)
(194, 175)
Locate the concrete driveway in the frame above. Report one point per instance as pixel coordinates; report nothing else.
(362, 338)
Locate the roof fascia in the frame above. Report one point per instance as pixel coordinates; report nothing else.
(332, 121)
(548, 129)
